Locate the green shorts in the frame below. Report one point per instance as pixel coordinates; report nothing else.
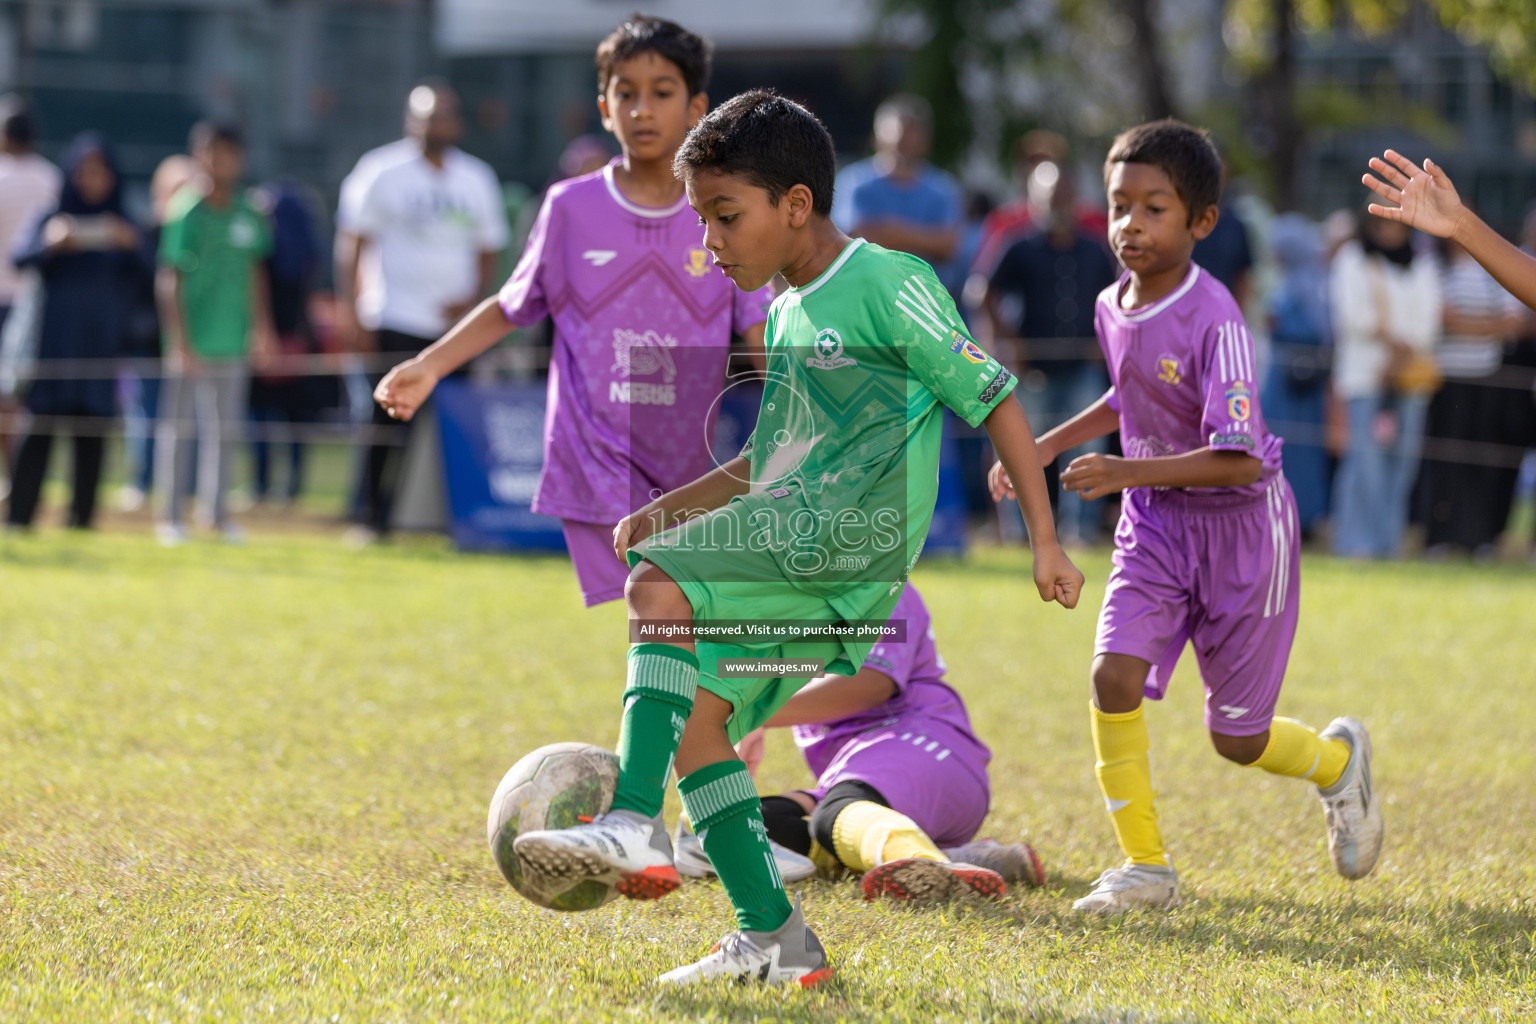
(747, 584)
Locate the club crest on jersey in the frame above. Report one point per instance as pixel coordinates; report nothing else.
(1239, 401)
(829, 352)
(698, 262)
(966, 347)
(1168, 369)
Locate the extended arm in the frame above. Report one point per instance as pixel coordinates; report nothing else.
(406, 387)
(1098, 475)
(1093, 422)
(1056, 577)
(1426, 199)
(830, 697)
(710, 491)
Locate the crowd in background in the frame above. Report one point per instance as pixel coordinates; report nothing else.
(1398, 372)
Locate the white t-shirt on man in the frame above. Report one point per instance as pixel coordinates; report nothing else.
(29, 188)
(426, 227)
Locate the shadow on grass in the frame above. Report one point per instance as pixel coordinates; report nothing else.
(1449, 936)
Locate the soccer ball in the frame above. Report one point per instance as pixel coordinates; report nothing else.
(554, 787)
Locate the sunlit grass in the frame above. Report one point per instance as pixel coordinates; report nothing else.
(252, 782)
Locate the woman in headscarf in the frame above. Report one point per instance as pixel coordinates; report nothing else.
(85, 251)
(1296, 392)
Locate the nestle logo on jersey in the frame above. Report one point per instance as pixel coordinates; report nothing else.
(643, 354)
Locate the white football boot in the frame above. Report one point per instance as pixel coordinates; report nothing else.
(1351, 807)
(627, 851)
(691, 860)
(789, 953)
(1129, 887)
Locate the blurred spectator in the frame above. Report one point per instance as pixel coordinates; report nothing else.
(1006, 223)
(1054, 274)
(289, 391)
(29, 187)
(139, 386)
(1465, 415)
(954, 272)
(1295, 393)
(1386, 304)
(896, 198)
(85, 253)
(417, 246)
(1226, 251)
(215, 310)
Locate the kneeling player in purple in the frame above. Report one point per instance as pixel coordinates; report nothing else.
(1207, 546)
(642, 318)
(901, 780)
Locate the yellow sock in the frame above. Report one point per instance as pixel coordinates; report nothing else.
(827, 866)
(1295, 750)
(867, 835)
(1124, 769)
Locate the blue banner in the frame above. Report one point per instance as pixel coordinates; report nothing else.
(493, 451)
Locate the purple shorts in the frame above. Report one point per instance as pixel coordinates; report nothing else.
(1220, 570)
(926, 769)
(599, 572)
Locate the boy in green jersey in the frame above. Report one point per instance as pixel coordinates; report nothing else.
(817, 523)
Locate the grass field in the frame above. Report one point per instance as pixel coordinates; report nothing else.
(251, 783)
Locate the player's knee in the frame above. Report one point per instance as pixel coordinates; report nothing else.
(1118, 681)
(652, 594)
(1242, 750)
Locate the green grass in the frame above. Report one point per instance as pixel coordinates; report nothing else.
(251, 783)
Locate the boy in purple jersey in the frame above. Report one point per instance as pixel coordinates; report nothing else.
(1206, 549)
(901, 780)
(643, 319)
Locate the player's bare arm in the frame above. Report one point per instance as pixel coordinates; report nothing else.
(710, 491)
(824, 699)
(1055, 576)
(1424, 198)
(407, 386)
(1097, 475)
(1092, 423)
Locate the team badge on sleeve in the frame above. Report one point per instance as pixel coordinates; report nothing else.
(966, 347)
(1239, 402)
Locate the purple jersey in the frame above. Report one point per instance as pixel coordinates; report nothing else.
(643, 323)
(918, 671)
(1181, 376)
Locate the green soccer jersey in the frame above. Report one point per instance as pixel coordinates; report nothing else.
(214, 249)
(845, 456)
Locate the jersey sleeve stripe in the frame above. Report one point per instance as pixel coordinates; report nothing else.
(935, 307)
(1221, 352)
(921, 321)
(1247, 352)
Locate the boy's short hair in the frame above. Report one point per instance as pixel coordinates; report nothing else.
(772, 142)
(1183, 152)
(209, 131)
(666, 39)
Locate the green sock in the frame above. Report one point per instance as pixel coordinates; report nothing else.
(657, 701)
(727, 813)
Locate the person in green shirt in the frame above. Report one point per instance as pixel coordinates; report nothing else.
(819, 521)
(215, 311)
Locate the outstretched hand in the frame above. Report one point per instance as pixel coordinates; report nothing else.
(1424, 196)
